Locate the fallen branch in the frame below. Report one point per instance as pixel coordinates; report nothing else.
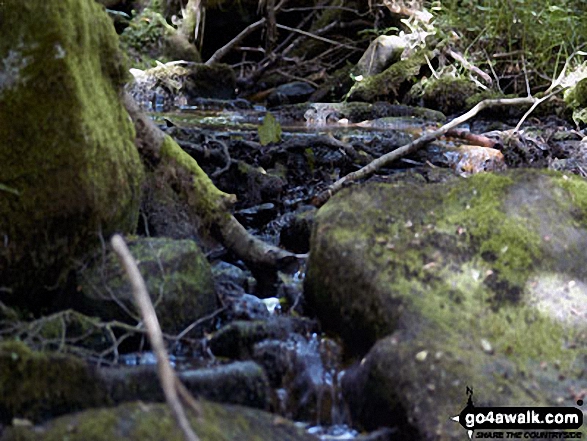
(461, 59)
(413, 146)
(166, 374)
(472, 138)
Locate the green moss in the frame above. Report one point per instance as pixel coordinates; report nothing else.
(177, 276)
(149, 37)
(478, 282)
(391, 83)
(153, 422)
(37, 386)
(463, 260)
(70, 154)
(576, 191)
(447, 94)
(205, 198)
(503, 240)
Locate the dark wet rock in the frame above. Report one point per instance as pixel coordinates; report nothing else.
(232, 287)
(142, 421)
(252, 185)
(257, 215)
(38, 386)
(381, 53)
(236, 340)
(177, 275)
(476, 281)
(238, 304)
(304, 370)
(224, 271)
(234, 383)
(177, 84)
(295, 234)
(290, 93)
(575, 162)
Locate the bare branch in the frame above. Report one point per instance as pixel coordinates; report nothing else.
(220, 53)
(166, 374)
(413, 146)
(316, 37)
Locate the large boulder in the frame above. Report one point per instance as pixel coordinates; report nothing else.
(70, 170)
(476, 282)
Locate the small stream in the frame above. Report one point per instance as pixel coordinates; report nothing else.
(304, 369)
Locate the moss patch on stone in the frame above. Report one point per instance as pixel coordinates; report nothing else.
(204, 197)
(390, 84)
(66, 142)
(477, 277)
(153, 422)
(177, 276)
(149, 37)
(37, 386)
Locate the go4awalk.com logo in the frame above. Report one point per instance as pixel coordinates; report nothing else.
(520, 422)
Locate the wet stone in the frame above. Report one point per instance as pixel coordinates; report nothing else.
(236, 340)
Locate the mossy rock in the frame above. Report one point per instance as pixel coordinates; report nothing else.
(177, 275)
(70, 169)
(150, 37)
(576, 98)
(475, 282)
(447, 94)
(237, 339)
(37, 386)
(153, 422)
(391, 84)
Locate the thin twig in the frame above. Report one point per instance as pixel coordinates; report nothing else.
(316, 37)
(413, 146)
(166, 374)
(220, 53)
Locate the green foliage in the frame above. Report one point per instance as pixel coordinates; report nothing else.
(270, 130)
(534, 35)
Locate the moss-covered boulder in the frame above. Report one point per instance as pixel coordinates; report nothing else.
(446, 94)
(479, 282)
(153, 422)
(177, 275)
(391, 84)
(70, 169)
(37, 386)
